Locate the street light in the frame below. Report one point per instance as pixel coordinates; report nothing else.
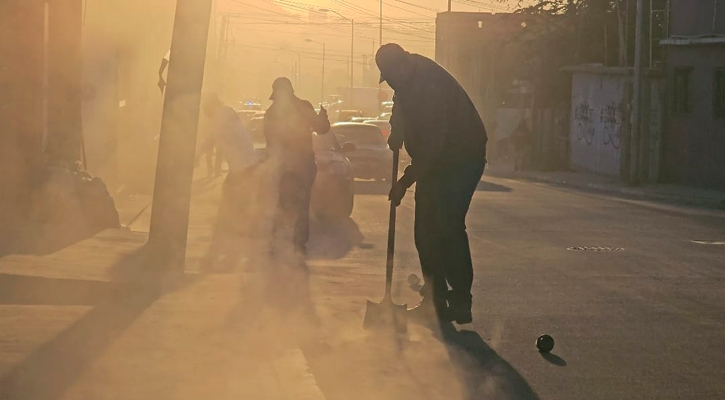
(322, 90)
(352, 49)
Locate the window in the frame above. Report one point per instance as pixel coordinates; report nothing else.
(718, 106)
(681, 91)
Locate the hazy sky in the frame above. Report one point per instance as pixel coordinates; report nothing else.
(272, 37)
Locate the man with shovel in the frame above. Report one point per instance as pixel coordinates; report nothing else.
(446, 140)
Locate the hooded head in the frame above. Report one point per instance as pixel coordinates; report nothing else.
(394, 64)
(282, 88)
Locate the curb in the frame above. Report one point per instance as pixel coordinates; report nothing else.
(636, 193)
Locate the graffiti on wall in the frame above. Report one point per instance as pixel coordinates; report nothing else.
(610, 122)
(583, 119)
(611, 118)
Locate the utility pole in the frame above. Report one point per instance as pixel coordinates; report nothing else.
(381, 22)
(322, 95)
(323, 44)
(177, 143)
(636, 128)
(299, 70)
(352, 48)
(222, 50)
(352, 63)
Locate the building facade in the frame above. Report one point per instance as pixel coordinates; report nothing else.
(78, 83)
(695, 124)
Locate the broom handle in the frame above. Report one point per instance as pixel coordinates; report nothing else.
(391, 231)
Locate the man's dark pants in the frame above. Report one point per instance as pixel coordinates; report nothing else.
(295, 194)
(442, 199)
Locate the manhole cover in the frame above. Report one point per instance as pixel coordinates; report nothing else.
(594, 248)
(710, 242)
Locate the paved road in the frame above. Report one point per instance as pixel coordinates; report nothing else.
(644, 322)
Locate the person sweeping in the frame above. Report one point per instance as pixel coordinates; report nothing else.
(446, 139)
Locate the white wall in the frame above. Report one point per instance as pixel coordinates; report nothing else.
(598, 121)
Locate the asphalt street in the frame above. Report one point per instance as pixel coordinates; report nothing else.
(632, 292)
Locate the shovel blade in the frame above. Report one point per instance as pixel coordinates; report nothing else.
(386, 314)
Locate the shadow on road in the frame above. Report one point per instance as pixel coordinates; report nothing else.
(554, 359)
(29, 290)
(484, 186)
(383, 188)
(483, 372)
(333, 239)
(38, 240)
(52, 369)
(372, 188)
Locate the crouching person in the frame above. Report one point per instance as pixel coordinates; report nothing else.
(238, 190)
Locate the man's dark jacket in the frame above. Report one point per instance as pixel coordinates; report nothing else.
(437, 120)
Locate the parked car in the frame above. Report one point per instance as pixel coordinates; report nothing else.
(385, 127)
(246, 115)
(251, 105)
(347, 115)
(333, 193)
(256, 128)
(371, 158)
(382, 124)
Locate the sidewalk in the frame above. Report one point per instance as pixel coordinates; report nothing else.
(667, 193)
(74, 326)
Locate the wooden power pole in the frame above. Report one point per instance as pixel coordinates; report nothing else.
(177, 143)
(636, 127)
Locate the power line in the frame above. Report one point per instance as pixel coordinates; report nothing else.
(488, 5)
(416, 5)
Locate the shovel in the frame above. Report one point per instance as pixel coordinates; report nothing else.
(387, 313)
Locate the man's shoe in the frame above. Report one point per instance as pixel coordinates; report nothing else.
(461, 316)
(429, 310)
(459, 308)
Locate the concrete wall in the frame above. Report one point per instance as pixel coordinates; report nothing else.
(123, 44)
(599, 118)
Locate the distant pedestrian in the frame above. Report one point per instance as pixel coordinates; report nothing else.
(288, 127)
(211, 147)
(521, 137)
(230, 134)
(446, 139)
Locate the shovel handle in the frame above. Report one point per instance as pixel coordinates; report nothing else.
(391, 230)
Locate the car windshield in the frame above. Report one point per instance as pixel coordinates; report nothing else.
(325, 142)
(359, 134)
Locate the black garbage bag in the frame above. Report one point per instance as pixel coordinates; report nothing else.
(96, 202)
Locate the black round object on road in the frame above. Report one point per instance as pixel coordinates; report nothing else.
(545, 343)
